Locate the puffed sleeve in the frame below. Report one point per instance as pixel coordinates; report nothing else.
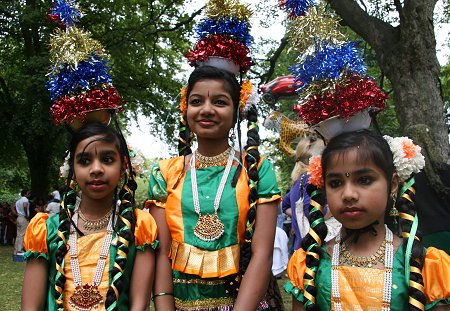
(157, 187)
(436, 277)
(35, 240)
(267, 186)
(146, 231)
(296, 270)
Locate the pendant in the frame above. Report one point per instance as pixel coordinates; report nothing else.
(209, 227)
(86, 297)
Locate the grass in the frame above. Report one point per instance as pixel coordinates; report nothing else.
(11, 278)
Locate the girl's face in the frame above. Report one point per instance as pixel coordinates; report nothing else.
(97, 168)
(357, 193)
(210, 110)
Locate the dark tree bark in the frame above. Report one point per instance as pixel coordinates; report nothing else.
(407, 55)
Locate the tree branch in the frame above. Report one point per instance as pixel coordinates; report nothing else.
(371, 29)
(265, 77)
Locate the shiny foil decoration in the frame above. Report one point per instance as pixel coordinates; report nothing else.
(71, 47)
(227, 9)
(88, 75)
(222, 46)
(69, 108)
(316, 26)
(329, 61)
(65, 13)
(233, 27)
(356, 94)
(296, 8)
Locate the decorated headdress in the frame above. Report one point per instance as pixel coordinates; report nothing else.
(79, 83)
(335, 95)
(223, 41)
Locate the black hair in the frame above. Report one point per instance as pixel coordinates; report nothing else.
(124, 222)
(374, 148)
(24, 192)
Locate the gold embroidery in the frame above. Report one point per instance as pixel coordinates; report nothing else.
(199, 281)
(204, 303)
(193, 260)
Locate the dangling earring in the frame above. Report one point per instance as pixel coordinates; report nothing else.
(393, 212)
(232, 137)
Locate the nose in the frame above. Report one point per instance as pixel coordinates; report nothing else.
(96, 168)
(207, 107)
(349, 193)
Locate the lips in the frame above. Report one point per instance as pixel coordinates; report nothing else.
(206, 122)
(353, 211)
(96, 185)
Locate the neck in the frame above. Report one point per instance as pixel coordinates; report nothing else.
(211, 147)
(366, 243)
(96, 208)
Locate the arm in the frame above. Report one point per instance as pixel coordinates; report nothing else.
(163, 272)
(142, 280)
(297, 305)
(25, 210)
(256, 279)
(34, 290)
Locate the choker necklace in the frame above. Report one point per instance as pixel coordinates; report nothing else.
(388, 264)
(362, 261)
(218, 160)
(209, 227)
(87, 296)
(96, 224)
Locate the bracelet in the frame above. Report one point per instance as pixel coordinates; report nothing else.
(161, 294)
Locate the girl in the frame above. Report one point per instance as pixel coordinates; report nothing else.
(215, 210)
(96, 228)
(366, 267)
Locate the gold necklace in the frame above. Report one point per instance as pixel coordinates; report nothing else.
(96, 224)
(217, 160)
(362, 261)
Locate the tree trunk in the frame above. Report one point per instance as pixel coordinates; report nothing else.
(407, 55)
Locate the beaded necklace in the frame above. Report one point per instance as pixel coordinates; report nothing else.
(87, 296)
(388, 264)
(209, 227)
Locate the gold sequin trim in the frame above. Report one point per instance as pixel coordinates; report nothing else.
(198, 281)
(206, 304)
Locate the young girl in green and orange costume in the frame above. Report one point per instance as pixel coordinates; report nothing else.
(367, 267)
(215, 207)
(97, 252)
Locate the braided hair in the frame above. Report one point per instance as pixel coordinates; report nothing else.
(252, 155)
(124, 222)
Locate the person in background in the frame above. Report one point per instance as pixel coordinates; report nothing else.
(23, 214)
(52, 207)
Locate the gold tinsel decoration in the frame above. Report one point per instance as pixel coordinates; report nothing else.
(71, 47)
(317, 24)
(228, 9)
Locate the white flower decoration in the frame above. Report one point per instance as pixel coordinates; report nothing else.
(64, 168)
(408, 158)
(137, 161)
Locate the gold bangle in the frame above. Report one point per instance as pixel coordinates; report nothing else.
(161, 294)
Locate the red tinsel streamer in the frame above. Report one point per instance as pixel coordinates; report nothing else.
(222, 46)
(68, 108)
(356, 94)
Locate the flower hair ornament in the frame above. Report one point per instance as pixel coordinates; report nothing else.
(248, 97)
(136, 158)
(408, 159)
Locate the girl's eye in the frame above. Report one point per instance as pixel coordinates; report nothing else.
(194, 102)
(365, 180)
(221, 103)
(108, 159)
(334, 183)
(84, 161)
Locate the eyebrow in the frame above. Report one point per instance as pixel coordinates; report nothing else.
(357, 172)
(103, 153)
